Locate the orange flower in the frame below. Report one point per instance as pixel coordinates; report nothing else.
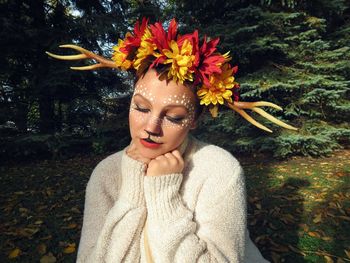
(181, 60)
(219, 90)
(147, 48)
(120, 56)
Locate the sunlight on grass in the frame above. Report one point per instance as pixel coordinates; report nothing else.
(299, 209)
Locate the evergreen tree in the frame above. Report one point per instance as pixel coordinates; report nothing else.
(41, 92)
(288, 56)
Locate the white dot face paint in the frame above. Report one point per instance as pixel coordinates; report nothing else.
(145, 115)
(162, 111)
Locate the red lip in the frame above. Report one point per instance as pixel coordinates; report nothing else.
(149, 144)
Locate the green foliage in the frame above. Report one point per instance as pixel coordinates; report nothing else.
(295, 59)
(42, 146)
(40, 93)
(290, 52)
(296, 144)
(111, 135)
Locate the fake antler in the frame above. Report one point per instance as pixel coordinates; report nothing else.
(85, 54)
(239, 107)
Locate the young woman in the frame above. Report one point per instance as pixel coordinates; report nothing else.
(169, 197)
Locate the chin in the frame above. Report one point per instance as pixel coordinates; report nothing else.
(151, 153)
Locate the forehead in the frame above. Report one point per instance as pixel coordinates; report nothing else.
(157, 91)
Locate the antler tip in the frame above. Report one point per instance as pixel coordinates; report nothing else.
(66, 45)
(51, 54)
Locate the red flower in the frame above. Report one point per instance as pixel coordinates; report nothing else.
(162, 39)
(194, 40)
(210, 62)
(133, 41)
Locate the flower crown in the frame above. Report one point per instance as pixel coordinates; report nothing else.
(180, 58)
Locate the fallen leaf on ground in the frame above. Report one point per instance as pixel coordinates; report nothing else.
(327, 238)
(27, 231)
(48, 258)
(347, 252)
(41, 248)
(70, 249)
(328, 259)
(14, 253)
(70, 226)
(314, 234)
(317, 219)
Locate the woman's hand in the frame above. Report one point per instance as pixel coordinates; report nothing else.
(171, 162)
(133, 153)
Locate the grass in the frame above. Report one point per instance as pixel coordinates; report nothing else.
(299, 209)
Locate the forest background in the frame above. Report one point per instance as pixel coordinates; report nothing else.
(295, 53)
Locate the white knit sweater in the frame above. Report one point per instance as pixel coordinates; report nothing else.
(198, 215)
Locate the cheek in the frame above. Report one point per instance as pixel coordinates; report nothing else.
(135, 116)
(176, 127)
(136, 121)
(175, 131)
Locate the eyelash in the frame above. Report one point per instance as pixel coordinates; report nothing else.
(140, 109)
(171, 119)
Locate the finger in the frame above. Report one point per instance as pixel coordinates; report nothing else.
(177, 154)
(160, 157)
(169, 155)
(171, 159)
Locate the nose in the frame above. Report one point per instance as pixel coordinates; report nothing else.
(153, 126)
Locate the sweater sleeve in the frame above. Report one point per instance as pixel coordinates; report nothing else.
(215, 232)
(113, 216)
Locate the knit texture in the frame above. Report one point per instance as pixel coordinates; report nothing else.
(198, 215)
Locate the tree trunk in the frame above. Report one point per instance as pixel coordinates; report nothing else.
(40, 70)
(47, 114)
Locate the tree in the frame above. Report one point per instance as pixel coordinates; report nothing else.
(34, 85)
(287, 55)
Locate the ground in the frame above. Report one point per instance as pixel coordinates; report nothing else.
(299, 209)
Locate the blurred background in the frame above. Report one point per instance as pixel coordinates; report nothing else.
(56, 123)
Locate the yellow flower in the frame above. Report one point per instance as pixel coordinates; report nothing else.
(181, 61)
(119, 57)
(146, 49)
(219, 89)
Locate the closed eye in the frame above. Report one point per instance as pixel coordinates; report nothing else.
(138, 108)
(175, 119)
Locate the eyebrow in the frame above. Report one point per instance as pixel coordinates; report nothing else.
(167, 106)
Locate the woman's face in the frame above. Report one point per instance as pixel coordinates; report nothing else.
(161, 114)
